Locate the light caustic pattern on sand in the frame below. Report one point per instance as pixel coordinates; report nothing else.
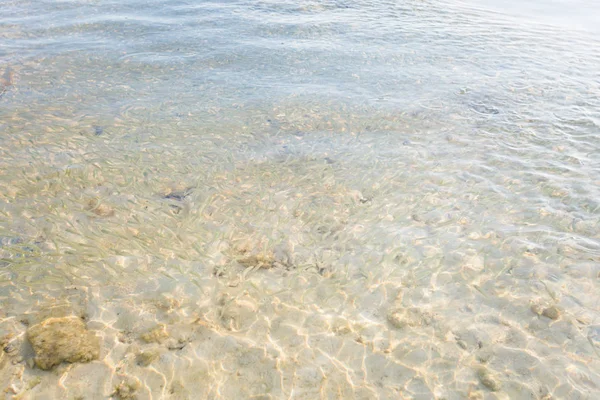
(367, 201)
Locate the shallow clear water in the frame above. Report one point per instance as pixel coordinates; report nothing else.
(303, 199)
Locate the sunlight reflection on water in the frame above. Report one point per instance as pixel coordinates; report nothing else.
(298, 200)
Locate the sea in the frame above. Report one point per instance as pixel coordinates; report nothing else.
(299, 199)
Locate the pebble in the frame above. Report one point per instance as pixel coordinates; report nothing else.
(488, 380)
(9, 348)
(551, 312)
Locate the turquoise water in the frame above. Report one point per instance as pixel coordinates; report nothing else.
(309, 199)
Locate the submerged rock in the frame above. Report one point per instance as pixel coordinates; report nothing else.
(253, 255)
(127, 389)
(412, 317)
(56, 340)
(239, 314)
(551, 312)
(157, 335)
(488, 380)
(101, 210)
(261, 260)
(147, 357)
(178, 195)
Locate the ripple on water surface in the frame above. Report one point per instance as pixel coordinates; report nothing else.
(301, 200)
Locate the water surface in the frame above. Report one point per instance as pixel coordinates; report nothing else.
(303, 199)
